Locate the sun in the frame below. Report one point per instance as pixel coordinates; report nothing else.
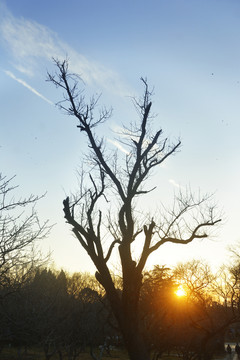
(180, 291)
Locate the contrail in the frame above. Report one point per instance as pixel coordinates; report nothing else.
(11, 75)
(119, 146)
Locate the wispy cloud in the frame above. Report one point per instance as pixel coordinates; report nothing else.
(22, 82)
(31, 43)
(174, 183)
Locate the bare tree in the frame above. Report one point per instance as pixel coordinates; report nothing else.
(120, 184)
(207, 315)
(19, 230)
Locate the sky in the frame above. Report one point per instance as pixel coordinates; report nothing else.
(190, 53)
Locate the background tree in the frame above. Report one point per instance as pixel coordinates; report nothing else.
(57, 314)
(227, 289)
(20, 229)
(157, 302)
(205, 318)
(120, 184)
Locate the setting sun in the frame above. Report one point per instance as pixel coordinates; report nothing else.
(180, 291)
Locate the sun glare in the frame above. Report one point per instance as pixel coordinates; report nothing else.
(180, 291)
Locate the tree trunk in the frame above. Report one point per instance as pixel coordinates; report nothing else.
(128, 319)
(125, 309)
(136, 347)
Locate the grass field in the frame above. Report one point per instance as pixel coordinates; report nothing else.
(37, 354)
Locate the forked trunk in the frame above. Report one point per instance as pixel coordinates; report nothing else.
(125, 309)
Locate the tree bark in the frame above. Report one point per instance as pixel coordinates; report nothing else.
(127, 315)
(136, 347)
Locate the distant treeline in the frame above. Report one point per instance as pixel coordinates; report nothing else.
(64, 315)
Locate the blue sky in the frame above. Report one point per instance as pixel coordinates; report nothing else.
(190, 53)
